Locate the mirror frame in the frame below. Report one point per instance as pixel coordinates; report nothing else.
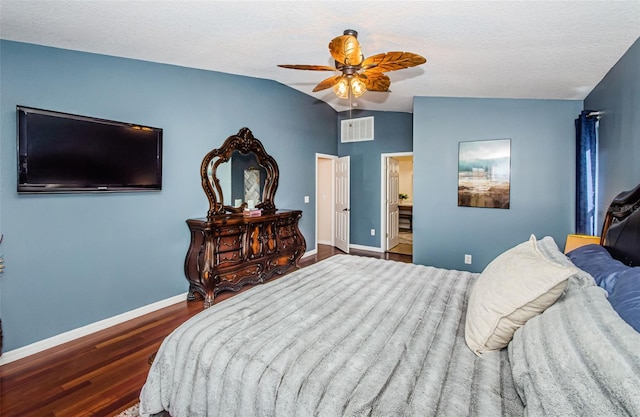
(244, 142)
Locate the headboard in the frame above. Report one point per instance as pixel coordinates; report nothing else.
(621, 228)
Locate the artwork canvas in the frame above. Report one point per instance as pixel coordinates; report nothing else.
(484, 171)
(252, 184)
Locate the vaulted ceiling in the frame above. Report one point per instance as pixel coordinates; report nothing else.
(500, 49)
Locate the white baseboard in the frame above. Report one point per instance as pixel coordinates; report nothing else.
(14, 355)
(325, 242)
(309, 253)
(367, 248)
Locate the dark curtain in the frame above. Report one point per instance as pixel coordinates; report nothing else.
(586, 160)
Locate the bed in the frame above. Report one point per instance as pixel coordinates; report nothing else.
(536, 333)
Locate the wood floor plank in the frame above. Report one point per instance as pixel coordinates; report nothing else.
(101, 374)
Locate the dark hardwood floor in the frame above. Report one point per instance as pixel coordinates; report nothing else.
(101, 374)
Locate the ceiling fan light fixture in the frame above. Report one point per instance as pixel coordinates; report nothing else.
(357, 87)
(341, 87)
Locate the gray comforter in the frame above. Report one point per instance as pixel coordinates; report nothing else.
(348, 336)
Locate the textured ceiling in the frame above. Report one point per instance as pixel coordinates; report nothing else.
(501, 49)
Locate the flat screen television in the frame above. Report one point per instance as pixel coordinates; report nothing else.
(66, 153)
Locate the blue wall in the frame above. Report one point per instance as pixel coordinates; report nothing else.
(72, 260)
(76, 259)
(618, 97)
(542, 177)
(393, 132)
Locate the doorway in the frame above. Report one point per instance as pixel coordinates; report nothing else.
(333, 214)
(397, 202)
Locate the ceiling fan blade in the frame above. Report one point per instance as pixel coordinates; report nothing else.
(309, 67)
(375, 81)
(392, 61)
(328, 83)
(346, 50)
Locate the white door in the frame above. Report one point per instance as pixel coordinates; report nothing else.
(393, 212)
(342, 210)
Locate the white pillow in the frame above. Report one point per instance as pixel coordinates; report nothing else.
(516, 286)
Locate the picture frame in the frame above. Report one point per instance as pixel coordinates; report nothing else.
(484, 173)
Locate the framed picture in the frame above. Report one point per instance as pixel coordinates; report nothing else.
(484, 173)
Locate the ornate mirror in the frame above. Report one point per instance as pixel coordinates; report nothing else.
(239, 174)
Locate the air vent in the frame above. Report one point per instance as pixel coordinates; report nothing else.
(356, 130)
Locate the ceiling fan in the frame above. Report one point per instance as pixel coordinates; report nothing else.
(359, 74)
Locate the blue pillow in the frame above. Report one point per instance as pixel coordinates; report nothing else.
(597, 261)
(625, 297)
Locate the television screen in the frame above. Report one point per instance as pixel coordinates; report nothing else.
(60, 152)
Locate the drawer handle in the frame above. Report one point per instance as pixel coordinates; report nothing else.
(230, 277)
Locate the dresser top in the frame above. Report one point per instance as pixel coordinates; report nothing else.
(236, 217)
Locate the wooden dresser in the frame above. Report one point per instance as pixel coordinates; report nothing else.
(231, 250)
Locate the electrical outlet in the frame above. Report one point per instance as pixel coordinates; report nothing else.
(306, 198)
(373, 232)
(467, 259)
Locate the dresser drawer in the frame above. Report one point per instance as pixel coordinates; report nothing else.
(287, 242)
(230, 230)
(249, 273)
(231, 242)
(229, 258)
(287, 220)
(281, 261)
(285, 231)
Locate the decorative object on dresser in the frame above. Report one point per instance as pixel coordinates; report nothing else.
(245, 243)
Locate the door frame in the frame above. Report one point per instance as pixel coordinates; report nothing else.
(333, 196)
(383, 195)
